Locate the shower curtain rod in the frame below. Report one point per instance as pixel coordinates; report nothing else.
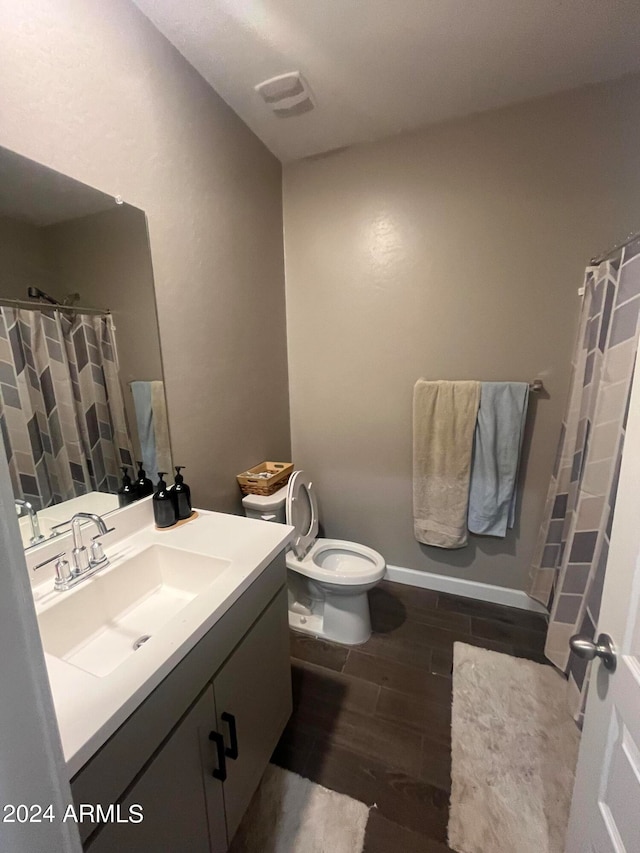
(45, 306)
(603, 257)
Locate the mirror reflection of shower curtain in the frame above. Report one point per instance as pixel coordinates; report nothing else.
(61, 409)
(569, 565)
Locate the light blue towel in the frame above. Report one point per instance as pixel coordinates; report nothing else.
(144, 418)
(498, 440)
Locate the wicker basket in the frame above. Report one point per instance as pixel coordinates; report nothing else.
(278, 476)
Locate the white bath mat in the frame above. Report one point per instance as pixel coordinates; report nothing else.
(289, 814)
(514, 749)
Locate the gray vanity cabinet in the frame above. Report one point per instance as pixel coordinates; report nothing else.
(253, 701)
(195, 781)
(182, 803)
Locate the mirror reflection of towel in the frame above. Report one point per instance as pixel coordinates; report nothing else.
(153, 428)
(498, 441)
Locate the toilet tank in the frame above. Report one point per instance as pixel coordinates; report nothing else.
(266, 507)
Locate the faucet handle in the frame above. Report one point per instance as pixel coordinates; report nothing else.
(63, 572)
(97, 553)
(50, 560)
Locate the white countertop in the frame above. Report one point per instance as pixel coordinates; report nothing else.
(89, 708)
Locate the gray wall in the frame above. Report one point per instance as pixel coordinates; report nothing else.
(105, 258)
(94, 91)
(451, 253)
(23, 259)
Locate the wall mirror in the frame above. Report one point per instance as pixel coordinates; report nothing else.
(81, 384)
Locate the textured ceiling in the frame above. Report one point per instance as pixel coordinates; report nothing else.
(377, 67)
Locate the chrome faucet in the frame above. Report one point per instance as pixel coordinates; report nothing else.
(36, 535)
(84, 561)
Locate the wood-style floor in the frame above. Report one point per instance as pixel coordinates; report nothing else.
(373, 721)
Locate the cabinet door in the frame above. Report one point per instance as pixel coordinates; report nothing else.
(253, 702)
(182, 803)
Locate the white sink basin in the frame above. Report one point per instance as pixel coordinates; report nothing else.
(104, 620)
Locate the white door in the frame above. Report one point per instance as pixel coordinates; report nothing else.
(605, 812)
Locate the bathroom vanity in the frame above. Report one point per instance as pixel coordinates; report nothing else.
(181, 724)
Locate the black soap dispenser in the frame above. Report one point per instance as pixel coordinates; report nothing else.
(163, 506)
(143, 483)
(181, 494)
(127, 493)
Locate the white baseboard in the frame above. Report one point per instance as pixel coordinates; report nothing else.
(466, 588)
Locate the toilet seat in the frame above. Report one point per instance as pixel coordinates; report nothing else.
(302, 513)
(331, 561)
(340, 563)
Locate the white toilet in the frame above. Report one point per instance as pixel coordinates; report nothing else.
(328, 579)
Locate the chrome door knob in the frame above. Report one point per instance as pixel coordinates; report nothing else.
(588, 650)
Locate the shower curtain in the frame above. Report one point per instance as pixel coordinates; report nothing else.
(568, 570)
(61, 409)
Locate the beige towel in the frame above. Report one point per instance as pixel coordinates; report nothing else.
(444, 420)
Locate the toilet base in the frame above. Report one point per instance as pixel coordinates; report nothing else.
(338, 618)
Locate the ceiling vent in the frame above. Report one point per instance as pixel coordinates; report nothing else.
(287, 95)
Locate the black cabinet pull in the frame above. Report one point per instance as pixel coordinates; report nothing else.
(221, 771)
(230, 720)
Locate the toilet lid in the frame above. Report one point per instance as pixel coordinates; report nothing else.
(302, 513)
